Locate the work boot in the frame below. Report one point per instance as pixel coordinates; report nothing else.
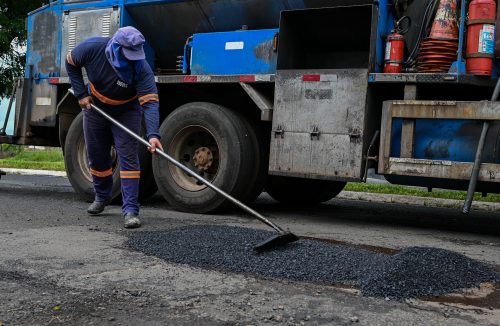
(132, 221)
(97, 207)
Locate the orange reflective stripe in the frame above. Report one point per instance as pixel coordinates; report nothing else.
(107, 100)
(101, 174)
(69, 58)
(130, 174)
(148, 97)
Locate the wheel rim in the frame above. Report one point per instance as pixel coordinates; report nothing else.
(83, 160)
(197, 149)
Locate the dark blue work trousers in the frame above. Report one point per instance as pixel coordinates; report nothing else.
(100, 135)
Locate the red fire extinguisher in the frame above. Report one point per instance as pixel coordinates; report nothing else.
(394, 53)
(395, 47)
(481, 37)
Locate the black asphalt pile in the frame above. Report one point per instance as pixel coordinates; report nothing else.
(413, 272)
(417, 271)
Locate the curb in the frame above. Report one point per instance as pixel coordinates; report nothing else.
(344, 195)
(417, 201)
(34, 172)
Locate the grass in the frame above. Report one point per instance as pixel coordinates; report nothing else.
(416, 191)
(38, 160)
(53, 160)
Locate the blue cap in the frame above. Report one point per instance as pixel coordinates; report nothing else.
(132, 42)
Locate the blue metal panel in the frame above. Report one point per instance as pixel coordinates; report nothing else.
(385, 25)
(44, 42)
(452, 140)
(234, 53)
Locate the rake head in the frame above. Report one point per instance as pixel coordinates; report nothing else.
(279, 240)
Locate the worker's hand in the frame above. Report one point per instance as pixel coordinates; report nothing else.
(85, 103)
(155, 143)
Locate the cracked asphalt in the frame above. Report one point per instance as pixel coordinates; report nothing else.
(60, 266)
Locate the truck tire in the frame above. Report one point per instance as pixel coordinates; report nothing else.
(260, 162)
(77, 169)
(147, 185)
(212, 139)
(302, 191)
(77, 166)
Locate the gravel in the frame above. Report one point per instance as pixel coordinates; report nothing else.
(412, 272)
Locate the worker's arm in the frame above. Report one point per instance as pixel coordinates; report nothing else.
(75, 61)
(150, 105)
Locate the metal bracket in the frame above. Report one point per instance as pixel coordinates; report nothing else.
(275, 41)
(368, 153)
(315, 133)
(263, 103)
(279, 132)
(354, 136)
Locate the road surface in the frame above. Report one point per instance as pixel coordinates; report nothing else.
(60, 266)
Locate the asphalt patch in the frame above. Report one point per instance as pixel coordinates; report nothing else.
(412, 272)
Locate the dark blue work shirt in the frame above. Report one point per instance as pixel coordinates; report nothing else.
(106, 88)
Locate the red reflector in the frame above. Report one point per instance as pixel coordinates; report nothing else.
(53, 80)
(247, 78)
(311, 78)
(190, 79)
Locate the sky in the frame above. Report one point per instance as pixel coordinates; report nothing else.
(3, 111)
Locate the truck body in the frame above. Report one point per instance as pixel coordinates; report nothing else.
(291, 97)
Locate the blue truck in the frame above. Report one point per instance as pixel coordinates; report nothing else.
(289, 96)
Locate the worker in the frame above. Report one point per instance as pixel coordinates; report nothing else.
(122, 83)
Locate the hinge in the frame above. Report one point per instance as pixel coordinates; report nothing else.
(315, 133)
(279, 132)
(354, 134)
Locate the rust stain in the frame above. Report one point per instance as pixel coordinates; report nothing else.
(265, 51)
(440, 149)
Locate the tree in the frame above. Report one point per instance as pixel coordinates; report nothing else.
(13, 40)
